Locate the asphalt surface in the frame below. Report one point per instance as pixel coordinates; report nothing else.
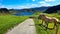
(26, 27)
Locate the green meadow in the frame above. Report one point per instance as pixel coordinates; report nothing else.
(42, 30)
(9, 21)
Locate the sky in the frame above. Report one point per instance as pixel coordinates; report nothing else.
(21, 4)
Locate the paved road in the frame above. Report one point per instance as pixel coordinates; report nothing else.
(26, 27)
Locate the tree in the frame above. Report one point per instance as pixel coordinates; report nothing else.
(4, 10)
(53, 9)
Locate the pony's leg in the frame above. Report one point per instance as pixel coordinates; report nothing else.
(57, 26)
(54, 25)
(46, 25)
(42, 22)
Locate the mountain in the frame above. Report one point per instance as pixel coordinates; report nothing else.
(33, 9)
(53, 9)
(40, 8)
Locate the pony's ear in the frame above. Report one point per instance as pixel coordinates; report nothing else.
(39, 17)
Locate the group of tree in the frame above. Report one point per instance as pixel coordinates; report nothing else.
(4, 10)
(53, 9)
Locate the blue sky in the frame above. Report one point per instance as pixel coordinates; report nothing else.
(20, 4)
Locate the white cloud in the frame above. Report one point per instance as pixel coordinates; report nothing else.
(42, 3)
(16, 7)
(49, 0)
(11, 6)
(19, 6)
(34, 5)
(22, 7)
(1, 6)
(33, 0)
(26, 6)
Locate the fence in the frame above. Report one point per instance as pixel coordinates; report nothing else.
(42, 23)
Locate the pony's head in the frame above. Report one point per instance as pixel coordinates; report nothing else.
(42, 15)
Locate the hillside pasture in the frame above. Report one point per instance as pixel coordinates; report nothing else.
(9, 21)
(42, 30)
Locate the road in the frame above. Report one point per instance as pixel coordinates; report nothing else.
(26, 27)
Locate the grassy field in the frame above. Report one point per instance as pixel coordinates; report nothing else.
(9, 21)
(41, 29)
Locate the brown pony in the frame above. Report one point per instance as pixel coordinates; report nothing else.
(48, 19)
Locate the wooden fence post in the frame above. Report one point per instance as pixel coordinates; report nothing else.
(57, 27)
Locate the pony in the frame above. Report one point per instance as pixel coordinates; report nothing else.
(48, 19)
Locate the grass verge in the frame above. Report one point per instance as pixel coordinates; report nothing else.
(9, 21)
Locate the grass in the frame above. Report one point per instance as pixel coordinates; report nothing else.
(41, 29)
(9, 21)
